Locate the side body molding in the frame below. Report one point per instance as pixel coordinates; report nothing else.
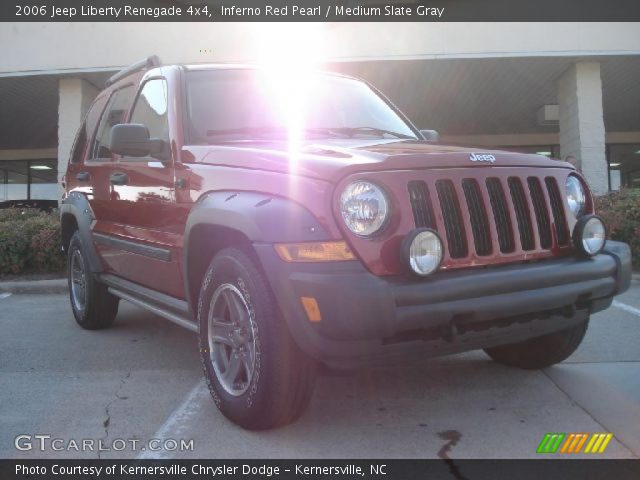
(77, 206)
(262, 218)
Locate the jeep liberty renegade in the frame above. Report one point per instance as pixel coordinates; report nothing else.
(293, 221)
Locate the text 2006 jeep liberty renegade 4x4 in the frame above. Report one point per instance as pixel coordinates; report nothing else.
(293, 220)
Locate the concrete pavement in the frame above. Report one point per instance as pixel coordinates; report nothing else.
(142, 379)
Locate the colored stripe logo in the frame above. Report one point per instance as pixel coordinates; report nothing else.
(574, 443)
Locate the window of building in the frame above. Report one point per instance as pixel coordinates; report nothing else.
(624, 165)
(29, 180)
(551, 151)
(113, 114)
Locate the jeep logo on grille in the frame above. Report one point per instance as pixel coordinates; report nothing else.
(475, 157)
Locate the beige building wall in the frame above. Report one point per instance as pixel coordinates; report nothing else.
(32, 47)
(71, 50)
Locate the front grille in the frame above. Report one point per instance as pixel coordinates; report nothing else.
(522, 213)
(452, 217)
(477, 216)
(495, 214)
(557, 210)
(421, 205)
(540, 209)
(501, 215)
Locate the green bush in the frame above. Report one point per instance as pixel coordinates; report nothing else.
(30, 242)
(621, 213)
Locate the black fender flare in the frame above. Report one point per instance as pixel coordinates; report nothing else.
(261, 217)
(77, 205)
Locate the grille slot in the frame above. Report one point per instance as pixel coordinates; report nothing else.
(540, 209)
(500, 215)
(421, 204)
(477, 216)
(454, 227)
(522, 213)
(557, 210)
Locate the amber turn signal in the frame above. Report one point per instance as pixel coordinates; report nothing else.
(312, 309)
(314, 252)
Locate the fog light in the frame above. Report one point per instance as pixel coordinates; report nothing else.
(589, 235)
(422, 249)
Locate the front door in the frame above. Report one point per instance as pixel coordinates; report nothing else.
(144, 233)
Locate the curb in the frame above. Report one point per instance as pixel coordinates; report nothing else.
(55, 286)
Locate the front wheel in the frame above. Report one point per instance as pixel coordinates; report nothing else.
(540, 352)
(257, 375)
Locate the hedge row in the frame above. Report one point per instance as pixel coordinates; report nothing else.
(30, 242)
(621, 213)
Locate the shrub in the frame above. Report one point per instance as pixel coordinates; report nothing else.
(30, 242)
(621, 213)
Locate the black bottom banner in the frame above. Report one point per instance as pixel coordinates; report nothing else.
(320, 469)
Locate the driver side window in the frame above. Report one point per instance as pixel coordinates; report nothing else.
(150, 109)
(114, 113)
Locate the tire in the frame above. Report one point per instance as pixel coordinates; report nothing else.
(257, 375)
(93, 306)
(540, 352)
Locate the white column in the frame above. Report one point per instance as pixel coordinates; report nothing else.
(75, 97)
(582, 133)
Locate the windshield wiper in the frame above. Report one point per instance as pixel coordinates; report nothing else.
(260, 132)
(280, 132)
(376, 131)
(353, 131)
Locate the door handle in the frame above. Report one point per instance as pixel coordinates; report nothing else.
(119, 178)
(83, 176)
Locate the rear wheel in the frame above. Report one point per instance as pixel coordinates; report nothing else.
(92, 305)
(540, 352)
(257, 375)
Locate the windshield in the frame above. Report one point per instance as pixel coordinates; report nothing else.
(240, 105)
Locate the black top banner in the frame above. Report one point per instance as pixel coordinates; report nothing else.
(319, 11)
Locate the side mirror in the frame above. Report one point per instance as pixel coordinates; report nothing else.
(132, 139)
(430, 135)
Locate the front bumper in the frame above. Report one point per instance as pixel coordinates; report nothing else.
(366, 318)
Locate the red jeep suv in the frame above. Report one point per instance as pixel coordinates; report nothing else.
(294, 219)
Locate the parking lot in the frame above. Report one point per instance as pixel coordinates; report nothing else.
(142, 380)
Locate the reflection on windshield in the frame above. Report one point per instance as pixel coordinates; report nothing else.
(234, 105)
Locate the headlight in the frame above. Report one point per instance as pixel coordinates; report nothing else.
(422, 250)
(589, 235)
(364, 208)
(576, 196)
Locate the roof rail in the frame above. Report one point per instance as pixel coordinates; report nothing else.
(147, 63)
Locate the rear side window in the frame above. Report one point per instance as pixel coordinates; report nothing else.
(150, 109)
(78, 144)
(86, 130)
(113, 114)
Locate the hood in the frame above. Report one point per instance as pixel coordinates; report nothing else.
(333, 159)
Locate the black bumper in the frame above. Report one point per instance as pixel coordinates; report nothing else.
(367, 318)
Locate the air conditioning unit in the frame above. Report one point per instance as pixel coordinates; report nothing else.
(548, 115)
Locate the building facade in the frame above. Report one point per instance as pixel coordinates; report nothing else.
(557, 89)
